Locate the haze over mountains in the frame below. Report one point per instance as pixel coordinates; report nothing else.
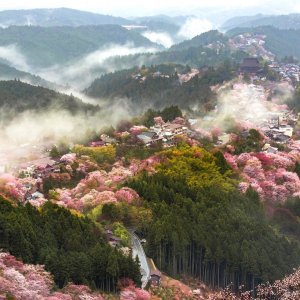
(56, 17)
(137, 146)
(61, 45)
(291, 21)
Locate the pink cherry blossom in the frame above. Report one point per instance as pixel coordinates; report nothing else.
(158, 121)
(269, 174)
(24, 281)
(126, 194)
(68, 158)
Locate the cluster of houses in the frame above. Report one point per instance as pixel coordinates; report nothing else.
(288, 72)
(104, 140)
(39, 168)
(141, 78)
(163, 132)
(253, 44)
(280, 126)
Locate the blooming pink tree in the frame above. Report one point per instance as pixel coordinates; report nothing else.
(267, 173)
(24, 281)
(12, 187)
(126, 194)
(68, 158)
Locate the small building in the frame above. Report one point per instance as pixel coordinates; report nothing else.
(97, 144)
(114, 241)
(149, 137)
(269, 149)
(107, 139)
(250, 65)
(155, 274)
(155, 277)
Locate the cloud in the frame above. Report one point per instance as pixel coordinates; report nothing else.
(81, 73)
(32, 127)
(194, 26)
(161, 38)
(245, 104)
(28, 134)
(14, 57)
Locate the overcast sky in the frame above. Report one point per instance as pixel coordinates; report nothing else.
(149, 7)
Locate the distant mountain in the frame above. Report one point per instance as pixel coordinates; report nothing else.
(56, 17)
(161, 24)
(291, 21)
(10, 73)
(46, 46)
(17, 97)
(281, 42)
(204, 39)
(208, 49)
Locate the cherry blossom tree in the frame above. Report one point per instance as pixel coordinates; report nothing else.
(24, 281)
(268, 173)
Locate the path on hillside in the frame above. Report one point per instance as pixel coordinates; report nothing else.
(138, 250)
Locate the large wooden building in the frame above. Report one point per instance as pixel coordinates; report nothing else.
(250, 65)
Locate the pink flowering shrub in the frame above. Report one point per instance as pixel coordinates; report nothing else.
(231, 160)
(286, 289)
(12, 187)
(100, 187)
(133, 293)
(179, 120)
(68, 158)
(159, 121)
(268, 173)
(126, 194)
(137, 129)
(24, 281)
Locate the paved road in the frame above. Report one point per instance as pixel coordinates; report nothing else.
(137, 250)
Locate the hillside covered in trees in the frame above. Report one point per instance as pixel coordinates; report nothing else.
(211, 37)
(160, 86)
(72, 248)
(204, 227)
(10, 73)
(194, 56)
(17, 97)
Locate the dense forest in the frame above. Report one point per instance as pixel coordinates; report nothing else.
(204, 227)
(17, 97)
(72, 248)
(196, 57)
(10, 73)
(162, 90)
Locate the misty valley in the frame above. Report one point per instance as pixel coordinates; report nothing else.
(149, 156)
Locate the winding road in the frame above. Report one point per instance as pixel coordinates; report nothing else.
(138, 250)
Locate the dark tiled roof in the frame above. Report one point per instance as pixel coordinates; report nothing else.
(155, 273)
(250, 62)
